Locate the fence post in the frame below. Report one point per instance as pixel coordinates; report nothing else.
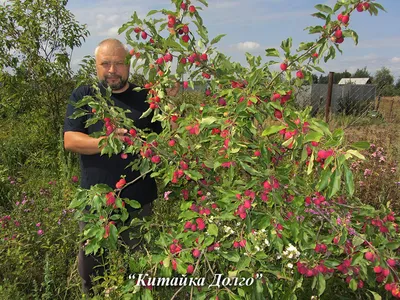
(329, 96)
(379, 102)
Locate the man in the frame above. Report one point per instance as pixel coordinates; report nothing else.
(112, 72)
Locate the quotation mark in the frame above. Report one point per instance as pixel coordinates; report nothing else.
(131, 276)
(259, 275)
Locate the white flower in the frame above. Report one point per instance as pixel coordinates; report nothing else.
(267, 242)
(290, 266)
(257, 248)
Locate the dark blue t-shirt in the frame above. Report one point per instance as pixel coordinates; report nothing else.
(98, 168)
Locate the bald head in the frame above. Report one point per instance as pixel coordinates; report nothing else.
(112, 70)
(110, 44)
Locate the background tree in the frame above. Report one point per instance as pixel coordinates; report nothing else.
(336, 77)
(362, 73)
(397, 87)
(384, 82)
(37, 39)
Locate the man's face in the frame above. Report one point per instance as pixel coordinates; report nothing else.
(111, 68)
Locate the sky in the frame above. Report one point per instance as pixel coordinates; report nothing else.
(254, 25)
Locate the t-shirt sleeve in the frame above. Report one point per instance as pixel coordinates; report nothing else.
(77, 124)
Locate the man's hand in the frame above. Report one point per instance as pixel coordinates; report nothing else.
(120, 133)
(172, 92)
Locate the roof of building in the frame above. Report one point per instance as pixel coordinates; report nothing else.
(354, 81)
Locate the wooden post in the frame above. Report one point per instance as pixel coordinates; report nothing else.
(379, 102)
(329, 96)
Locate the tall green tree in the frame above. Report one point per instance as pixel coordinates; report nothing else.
(362, 73)
(384, 82)
(37, 38)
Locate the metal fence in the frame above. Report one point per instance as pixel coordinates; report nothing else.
(347, 99)
(353, 100)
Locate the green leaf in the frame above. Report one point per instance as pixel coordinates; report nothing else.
(231, 256)
(312, 137)
(249, 169)
(217, 39)
(212, 229)
(286, 45)
(321, 284)
(352, 34)
(77, 202)
(356, 153)
(194, 175)
(272, 129)
(376, 295)
(335, 183)
(315, 29)
(319, 69)
(361, 145)
(133, 203)
(152, 12)
(338, 5)
(349, 181)
(319, 15)
(324, 181)
(393, 245)
(310, 164)
(208, 120)
(272, 52)
(324, 8)
(378, 6)
(331, 263)
(353, 284)
(357, 241)
(243, 263)
(305, 46)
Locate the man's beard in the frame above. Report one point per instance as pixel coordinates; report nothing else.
(115, 85)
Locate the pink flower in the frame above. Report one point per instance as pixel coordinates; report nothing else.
(17, 203)
(166, 194)
(74, 179)
(40, 232)
(367, 172)
(38, 224)
(382, 158)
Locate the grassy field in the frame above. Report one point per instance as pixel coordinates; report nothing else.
(382, 185)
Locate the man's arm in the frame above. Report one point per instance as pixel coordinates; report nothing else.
(82, 143)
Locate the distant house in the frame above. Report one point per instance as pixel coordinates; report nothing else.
(354, 81)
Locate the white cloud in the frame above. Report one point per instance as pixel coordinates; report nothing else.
(248, 46)
(110, 32)
(395, 59)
